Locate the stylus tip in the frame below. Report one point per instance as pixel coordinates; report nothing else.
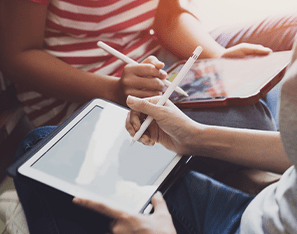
(132, 142)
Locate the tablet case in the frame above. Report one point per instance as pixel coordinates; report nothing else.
(179, 169)
(225, 82)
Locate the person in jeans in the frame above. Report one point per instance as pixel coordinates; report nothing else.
(196, 203)
(199, 204)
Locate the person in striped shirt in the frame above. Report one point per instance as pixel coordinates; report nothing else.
(49, 50)
(195, 203)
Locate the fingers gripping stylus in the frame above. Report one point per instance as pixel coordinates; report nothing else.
(128, 60)
(169, 91)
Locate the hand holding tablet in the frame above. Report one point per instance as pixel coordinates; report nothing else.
(154, 223)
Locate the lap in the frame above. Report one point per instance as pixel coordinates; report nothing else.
(256, 116)
(48, 210)
(277, 32)
(199, 204)
(43, 205)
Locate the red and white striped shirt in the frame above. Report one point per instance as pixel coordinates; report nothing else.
(73, 28)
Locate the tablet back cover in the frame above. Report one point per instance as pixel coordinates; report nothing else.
(225, 82)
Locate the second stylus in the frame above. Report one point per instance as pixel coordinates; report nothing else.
(128, 60)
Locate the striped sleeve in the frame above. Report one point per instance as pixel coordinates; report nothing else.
(73, 28)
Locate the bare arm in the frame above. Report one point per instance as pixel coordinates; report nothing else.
(25, 63)
(187, 29)
(177, 132)
(181, 32)
(251, 148)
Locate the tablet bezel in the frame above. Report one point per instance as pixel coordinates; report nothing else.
(162, 183)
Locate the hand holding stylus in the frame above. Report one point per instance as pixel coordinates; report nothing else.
(169, 91)
(128, 60)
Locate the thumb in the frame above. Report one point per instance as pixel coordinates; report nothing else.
(144, 106)
(159, 203)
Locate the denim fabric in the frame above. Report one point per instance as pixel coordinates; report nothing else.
(272, 101)
(199, 204)
(31, 139)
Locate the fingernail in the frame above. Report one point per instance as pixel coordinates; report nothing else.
(164, 73)
(76, 200)
(130, 99)
(158, 194)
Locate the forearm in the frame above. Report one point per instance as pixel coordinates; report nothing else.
(42, 72)
(251, 148)
(184, 33)
(177, 132)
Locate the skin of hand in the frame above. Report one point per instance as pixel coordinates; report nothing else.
(26, 63)
(143, 80)
(158, 222)
(170, 126)
(245, 49)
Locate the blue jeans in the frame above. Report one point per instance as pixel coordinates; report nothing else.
(200, 204)
(197, 203)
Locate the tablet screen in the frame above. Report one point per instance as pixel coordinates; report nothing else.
(96, 158)
(218, 79)
(203, 81)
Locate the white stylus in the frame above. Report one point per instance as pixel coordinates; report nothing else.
(169, 91)
(128, 60)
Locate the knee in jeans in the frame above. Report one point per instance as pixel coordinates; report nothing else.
(32, 138)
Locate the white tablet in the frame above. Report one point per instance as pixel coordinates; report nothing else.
(91, 157)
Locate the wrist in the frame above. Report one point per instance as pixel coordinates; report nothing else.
(195, 140)
(114, 91)
(208, 141)
(221, 53)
